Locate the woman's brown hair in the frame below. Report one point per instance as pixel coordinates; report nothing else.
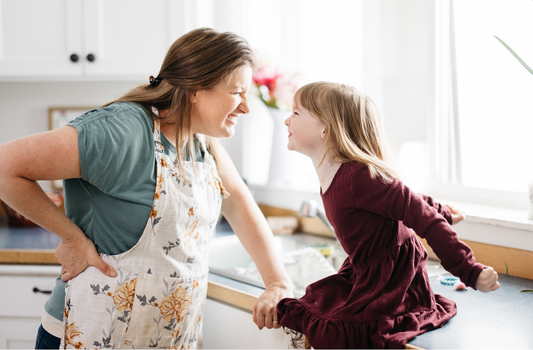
(354, 128)
(198, 60)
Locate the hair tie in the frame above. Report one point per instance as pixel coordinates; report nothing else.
(154, 81)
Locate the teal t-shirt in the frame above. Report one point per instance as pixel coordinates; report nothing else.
(112, 201)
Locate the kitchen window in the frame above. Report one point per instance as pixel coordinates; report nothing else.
(483, 130)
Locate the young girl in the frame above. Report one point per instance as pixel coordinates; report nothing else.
(381, 296)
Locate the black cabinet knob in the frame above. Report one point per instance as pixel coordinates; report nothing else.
(90, 57)
(74, 57)
(37, 290)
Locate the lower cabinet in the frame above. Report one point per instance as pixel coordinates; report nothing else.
(18, 333)
(227, 327)
(22, 302)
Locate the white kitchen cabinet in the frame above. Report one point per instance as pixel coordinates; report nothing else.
(38, 37)
(87, 39)
(228, 327)
(21, 303)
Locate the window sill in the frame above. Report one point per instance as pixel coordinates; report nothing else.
(492, 215)
(492, 224)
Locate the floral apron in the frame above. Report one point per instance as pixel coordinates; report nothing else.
(158, 296)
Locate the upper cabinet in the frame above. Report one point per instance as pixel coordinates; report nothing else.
(89, 39)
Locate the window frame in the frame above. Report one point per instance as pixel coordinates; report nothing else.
(443, 134)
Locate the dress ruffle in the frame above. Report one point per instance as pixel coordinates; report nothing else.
(381, 304)
(382, 333)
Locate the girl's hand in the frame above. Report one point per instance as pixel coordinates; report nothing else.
(76, 255)
(457, 215)
(265, 313)
(487, 280)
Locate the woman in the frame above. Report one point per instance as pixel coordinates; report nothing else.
(145, 183)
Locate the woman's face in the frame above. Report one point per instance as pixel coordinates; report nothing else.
(215, 112)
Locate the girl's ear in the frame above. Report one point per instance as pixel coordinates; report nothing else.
(324, 133)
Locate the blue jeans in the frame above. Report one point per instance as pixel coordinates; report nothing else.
(46, 340)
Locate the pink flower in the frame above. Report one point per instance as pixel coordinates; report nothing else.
(276, 89)
(267, 76)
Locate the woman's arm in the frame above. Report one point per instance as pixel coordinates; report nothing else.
(250, 226)
(51, 155)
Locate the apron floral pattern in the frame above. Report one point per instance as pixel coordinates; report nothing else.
(297, 340)
(158, 296)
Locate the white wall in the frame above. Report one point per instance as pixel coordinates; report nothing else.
(397, 74)
(407, 46)
(24, 105)
(407, 84)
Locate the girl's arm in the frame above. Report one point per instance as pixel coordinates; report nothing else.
(51, 155)
(451, 214)
(457, 214)
(397, 202)
(441, 209)
(253, 231)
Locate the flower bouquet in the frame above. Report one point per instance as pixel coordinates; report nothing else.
(274, 87)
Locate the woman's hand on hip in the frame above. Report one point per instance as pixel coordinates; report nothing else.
(265, 313)
(75, 255)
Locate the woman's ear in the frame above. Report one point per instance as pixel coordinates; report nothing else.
(192, 97)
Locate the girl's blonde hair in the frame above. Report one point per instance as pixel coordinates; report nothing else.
(354, 128)
(198, 60)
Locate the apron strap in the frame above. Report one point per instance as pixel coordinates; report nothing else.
(157, 132)
(208, 158)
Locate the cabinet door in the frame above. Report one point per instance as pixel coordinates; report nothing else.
(20, 296)
(22, 302)
(37, 38)
(131, 37)
(227, 327)
(18, 333)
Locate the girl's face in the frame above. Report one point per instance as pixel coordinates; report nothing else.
(306, 132)
(215, 111)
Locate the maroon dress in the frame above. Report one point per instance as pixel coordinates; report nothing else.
(381, 296)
